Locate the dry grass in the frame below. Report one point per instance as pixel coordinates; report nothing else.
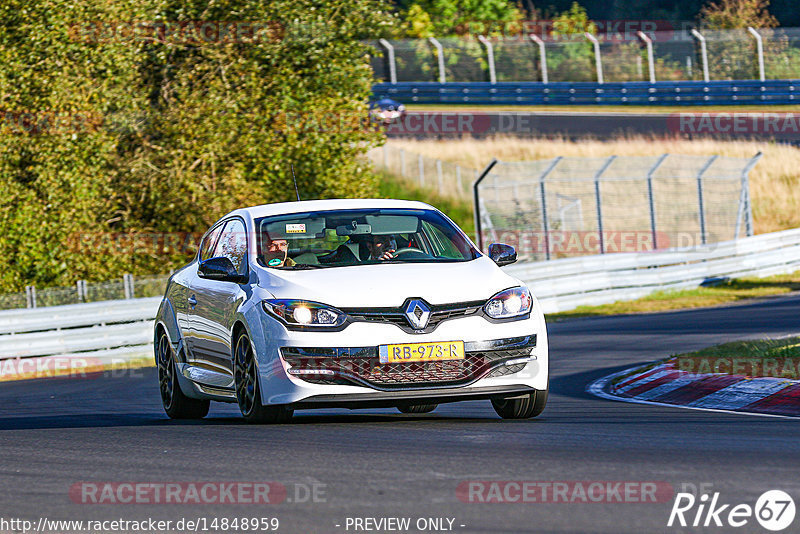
(774, 183)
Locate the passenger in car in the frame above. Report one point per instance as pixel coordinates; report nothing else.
(277, 253)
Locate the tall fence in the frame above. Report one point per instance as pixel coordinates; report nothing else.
(747, 54)
(580, 206)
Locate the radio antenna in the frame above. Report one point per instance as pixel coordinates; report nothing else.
(294, 179)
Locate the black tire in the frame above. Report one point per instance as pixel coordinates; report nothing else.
(248, 390)
(176, 404)
(525, 407)
(417, 408)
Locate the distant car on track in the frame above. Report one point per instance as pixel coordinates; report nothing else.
(387, 110)
(347, 303)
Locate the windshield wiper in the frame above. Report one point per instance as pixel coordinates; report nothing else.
(303, 266)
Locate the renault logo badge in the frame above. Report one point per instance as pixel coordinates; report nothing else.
(417, 313)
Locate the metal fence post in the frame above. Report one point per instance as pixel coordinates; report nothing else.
(489, 58)
(701, 206)
(651, 67)
(598, 200)
(477, 199)
(30, 296)
(390, 57)
(458, 179)
(598, 63)
(745, 208)
(81, 290)
(759, 52)
(385, 156)
(543, 196)
(651, 198)
(127, 284)
(440, 57)
(402, 163)
(439, 175)
(542, 56)
(703, 52)
(421, 170)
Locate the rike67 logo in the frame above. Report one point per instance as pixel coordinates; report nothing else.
(774, 510)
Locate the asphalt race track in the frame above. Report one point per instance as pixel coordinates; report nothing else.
(378, 463)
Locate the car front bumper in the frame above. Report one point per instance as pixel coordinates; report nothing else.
(356, 380)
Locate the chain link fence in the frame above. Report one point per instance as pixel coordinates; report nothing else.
(653, 56)
(127, 287)
(445, 177)
(578, 206)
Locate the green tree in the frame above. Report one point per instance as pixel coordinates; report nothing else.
(177, 131)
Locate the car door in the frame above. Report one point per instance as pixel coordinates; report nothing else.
(216, 302)
(207, 247)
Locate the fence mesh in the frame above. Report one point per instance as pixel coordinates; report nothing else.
(153, 286)
(732, 55)
(577, 206)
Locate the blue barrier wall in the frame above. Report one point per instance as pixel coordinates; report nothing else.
(576, 93)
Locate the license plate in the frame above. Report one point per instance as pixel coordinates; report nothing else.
(421, 352)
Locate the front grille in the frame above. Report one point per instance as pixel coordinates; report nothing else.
(361, 366)
(397, 317)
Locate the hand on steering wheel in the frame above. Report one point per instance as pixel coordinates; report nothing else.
(408, 249)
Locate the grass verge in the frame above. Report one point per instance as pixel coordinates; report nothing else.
(762, 358)
(726, 292)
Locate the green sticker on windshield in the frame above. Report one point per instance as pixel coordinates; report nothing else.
(274, 262)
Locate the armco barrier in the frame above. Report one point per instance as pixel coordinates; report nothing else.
(104, 331)
(99, 332)
(565, 284)
(692, 93)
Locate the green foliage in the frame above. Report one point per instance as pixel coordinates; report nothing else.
(732, 14)
(166, 135)
(425, 18)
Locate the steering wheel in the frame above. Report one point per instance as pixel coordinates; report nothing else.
(408, 249)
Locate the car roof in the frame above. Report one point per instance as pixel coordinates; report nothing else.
(284, 208)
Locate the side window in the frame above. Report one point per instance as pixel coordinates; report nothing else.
(233, 245)
(207, 247)
(442, 245)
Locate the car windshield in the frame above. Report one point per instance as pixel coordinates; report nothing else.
(314, 240)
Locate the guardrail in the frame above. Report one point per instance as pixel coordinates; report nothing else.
(97, 333)
(114, 330)
(564, 284)
(689, 93)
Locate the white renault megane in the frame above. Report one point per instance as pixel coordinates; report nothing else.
(347, 303)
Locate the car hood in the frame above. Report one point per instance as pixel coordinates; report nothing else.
(389, 285)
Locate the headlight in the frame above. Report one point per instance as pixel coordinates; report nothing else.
(512, 302)
(303, 313)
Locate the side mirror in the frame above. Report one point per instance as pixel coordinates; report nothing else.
(220, 269)
(502, 254)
